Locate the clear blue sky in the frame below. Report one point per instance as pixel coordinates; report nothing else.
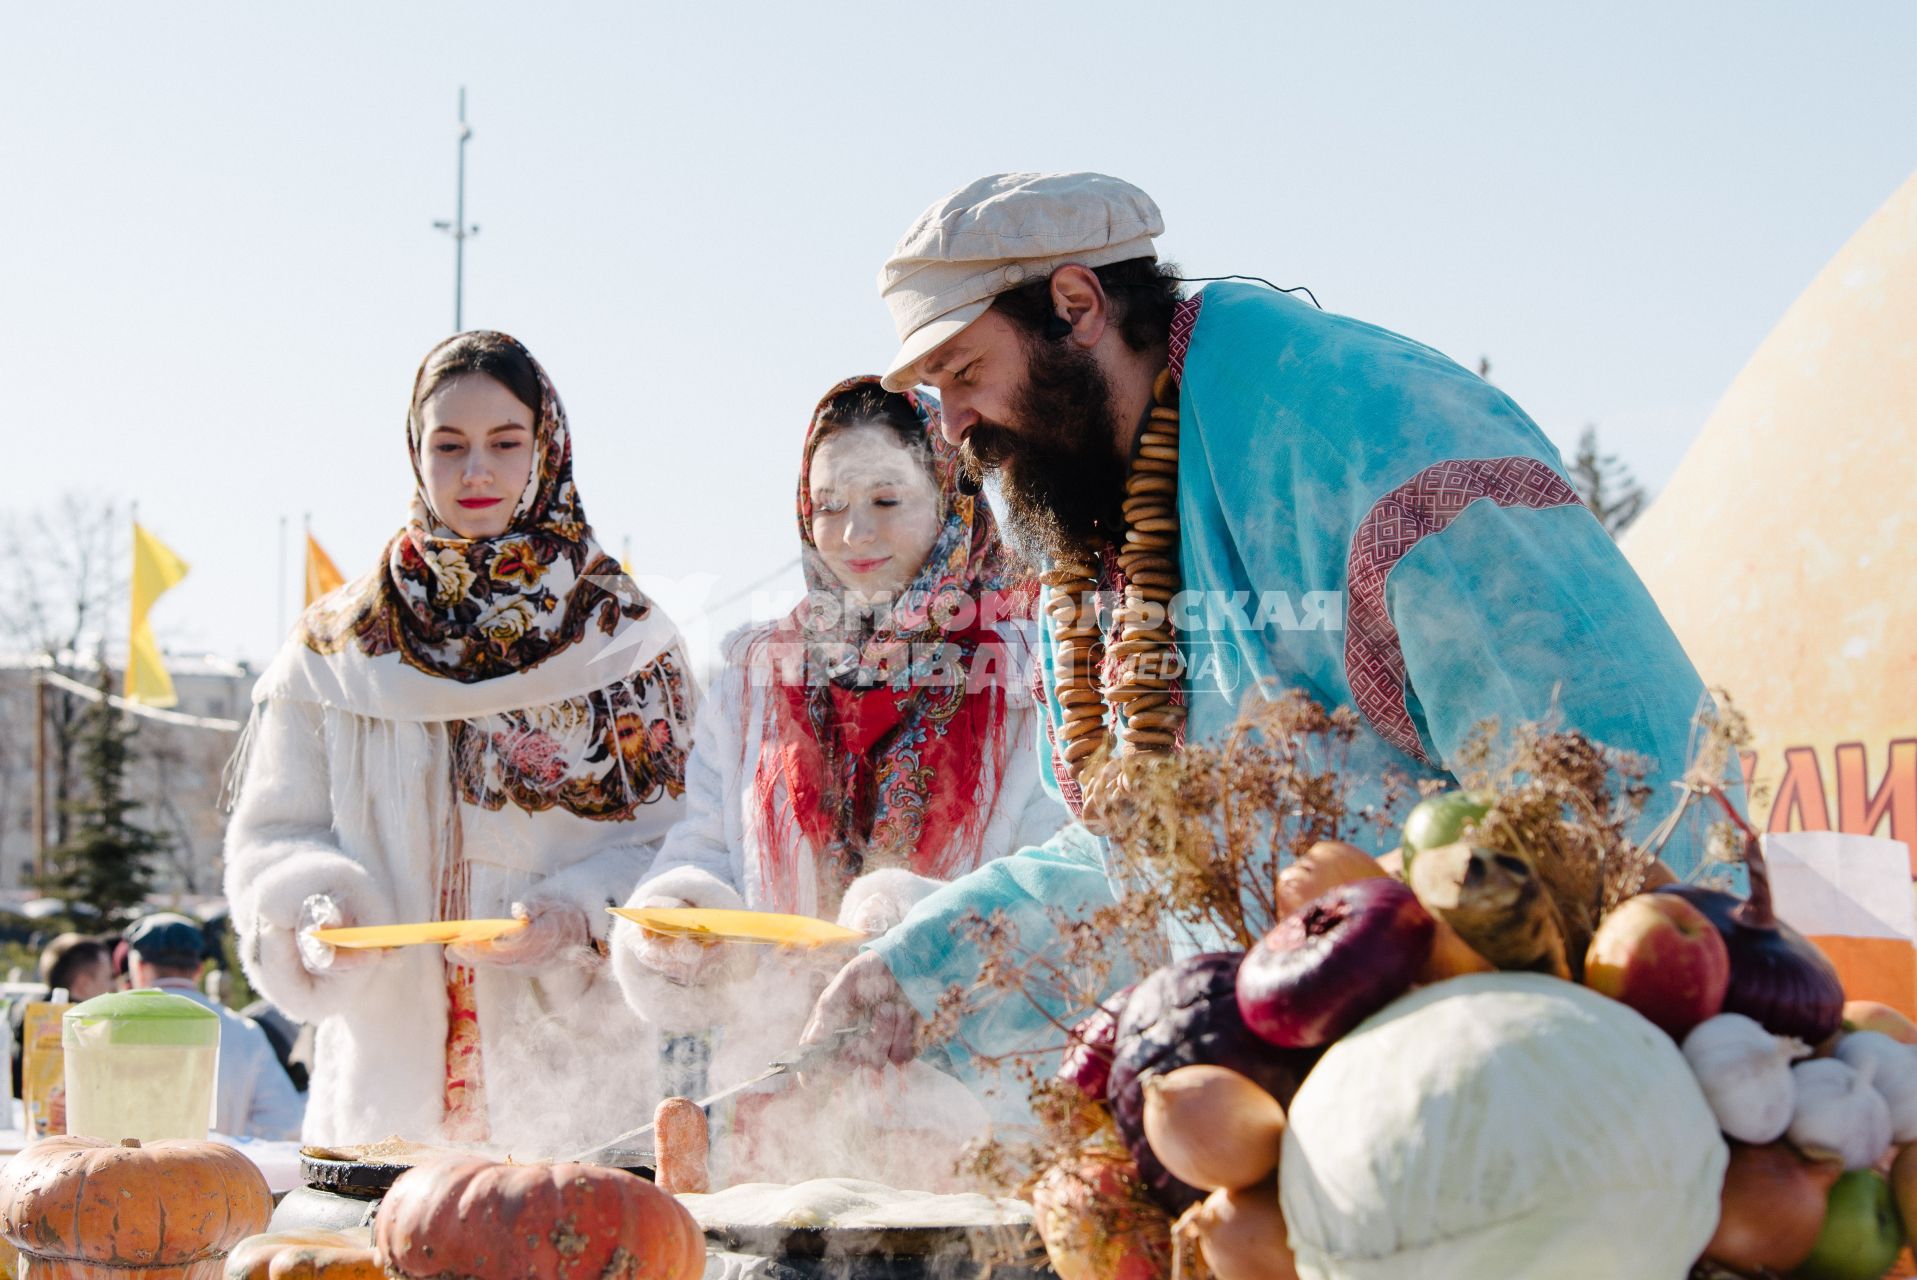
(218, 270)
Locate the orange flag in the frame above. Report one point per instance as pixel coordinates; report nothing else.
(321, 574)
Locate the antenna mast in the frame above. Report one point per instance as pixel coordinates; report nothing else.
(457, 228)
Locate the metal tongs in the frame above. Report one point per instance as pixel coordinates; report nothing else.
(803, 1058)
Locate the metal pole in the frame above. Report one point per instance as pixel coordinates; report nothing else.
(459, 223)
(457, 228)
(39, 775)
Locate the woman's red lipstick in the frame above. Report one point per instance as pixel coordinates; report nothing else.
(474, 504)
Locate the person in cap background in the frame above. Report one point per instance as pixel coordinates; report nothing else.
(254, 1096)
(1260, 468)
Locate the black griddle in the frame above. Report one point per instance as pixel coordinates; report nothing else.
(361, 1179)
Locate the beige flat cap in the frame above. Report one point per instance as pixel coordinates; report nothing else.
(996, 234)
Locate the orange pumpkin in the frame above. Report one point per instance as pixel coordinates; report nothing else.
(306, 1254)
(83, 1209)
(472, 1219)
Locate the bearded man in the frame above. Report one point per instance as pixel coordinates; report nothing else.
(1316, 503)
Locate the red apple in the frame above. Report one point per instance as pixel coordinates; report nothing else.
(1869, 1015)
(1660, 955)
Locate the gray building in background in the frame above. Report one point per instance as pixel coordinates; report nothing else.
(175, 775)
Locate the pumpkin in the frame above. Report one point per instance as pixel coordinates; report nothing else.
(306, 1254)
(1500, 1124)
(472, 1219)
(84, 1209)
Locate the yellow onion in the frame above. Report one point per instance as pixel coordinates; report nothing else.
(1213, 1127)
(1242, 1235)
(1319, 870)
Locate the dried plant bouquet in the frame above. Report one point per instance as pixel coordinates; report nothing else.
(1199, 838)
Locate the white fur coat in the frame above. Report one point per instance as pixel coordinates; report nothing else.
(566, 1060)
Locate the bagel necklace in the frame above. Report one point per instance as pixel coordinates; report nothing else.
(1146, 650)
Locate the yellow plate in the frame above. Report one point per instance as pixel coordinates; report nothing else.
(367, 937)
(738, 926)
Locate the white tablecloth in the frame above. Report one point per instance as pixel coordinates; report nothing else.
(279, 1161)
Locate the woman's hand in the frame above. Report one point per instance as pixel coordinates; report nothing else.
(684, 962)
(555, 932)
(322, 959)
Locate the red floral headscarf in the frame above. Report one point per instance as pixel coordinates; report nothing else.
(879, 737)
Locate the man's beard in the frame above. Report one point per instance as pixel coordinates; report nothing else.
(1060, 472)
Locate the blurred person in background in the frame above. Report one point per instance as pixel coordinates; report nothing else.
(255, 1096)
(80, 965)
(292, 1041)
(119, 965)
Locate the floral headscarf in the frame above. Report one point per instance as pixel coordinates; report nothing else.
(533, 644)
(472, 609)
(880, 734)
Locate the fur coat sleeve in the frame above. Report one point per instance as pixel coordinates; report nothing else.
(281, 850)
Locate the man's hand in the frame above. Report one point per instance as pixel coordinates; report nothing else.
(865, 994)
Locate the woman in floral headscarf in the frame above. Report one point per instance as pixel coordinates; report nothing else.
(490, 723)
(870, 745)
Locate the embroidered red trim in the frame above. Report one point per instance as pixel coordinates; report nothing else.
(1184, 320)
(1416, 509)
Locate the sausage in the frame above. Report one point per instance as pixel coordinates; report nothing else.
(681, 1137)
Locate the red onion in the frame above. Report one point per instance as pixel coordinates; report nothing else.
(1088, 1059)
(1182, 1014)
(1332, 965)
(1779, 978)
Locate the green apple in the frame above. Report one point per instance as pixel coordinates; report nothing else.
(1861, 1237)
(1439, 820)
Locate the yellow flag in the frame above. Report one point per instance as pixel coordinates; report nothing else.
(155, 570)
(322, 575)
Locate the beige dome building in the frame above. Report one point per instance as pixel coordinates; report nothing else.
(1784, 551)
